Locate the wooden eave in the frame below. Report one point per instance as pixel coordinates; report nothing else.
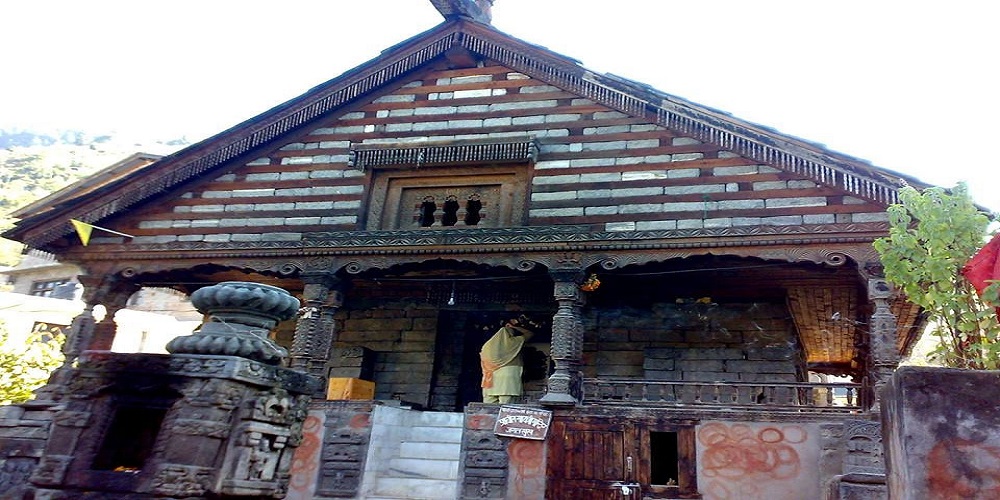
(126, 167)
(242, 141)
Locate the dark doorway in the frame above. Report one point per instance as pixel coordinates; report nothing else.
(663, 458)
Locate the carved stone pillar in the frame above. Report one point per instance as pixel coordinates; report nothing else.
(322, 295)
(882, 344)
(565, 384)
(218, 418)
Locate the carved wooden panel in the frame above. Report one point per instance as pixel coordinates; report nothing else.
(453, 197)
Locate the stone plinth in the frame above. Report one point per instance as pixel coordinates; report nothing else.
(941, 437)
(177, 426)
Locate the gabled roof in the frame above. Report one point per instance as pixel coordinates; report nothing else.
(122, 169)
(45, 221)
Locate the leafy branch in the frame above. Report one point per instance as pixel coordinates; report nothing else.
(932, 234)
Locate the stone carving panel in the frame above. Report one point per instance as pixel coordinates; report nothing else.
(863, 448)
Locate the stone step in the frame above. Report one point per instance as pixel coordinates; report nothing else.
(422, 468)
(438, 419)
(427, 434)
(439, 451)
(415, 489)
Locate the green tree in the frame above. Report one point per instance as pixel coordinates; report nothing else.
(932, 235)
(26, 366)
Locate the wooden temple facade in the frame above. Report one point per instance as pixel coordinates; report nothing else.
(464, 177)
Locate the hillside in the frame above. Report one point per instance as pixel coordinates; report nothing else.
(34, 164)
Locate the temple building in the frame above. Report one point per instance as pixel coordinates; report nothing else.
(708, 315)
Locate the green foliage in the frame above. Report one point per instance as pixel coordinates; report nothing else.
(26, 366)
(932, 234)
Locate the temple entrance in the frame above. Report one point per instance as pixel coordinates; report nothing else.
(457, 370)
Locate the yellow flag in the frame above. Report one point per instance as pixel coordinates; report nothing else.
(83, 230)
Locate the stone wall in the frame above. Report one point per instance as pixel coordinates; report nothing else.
(402, 337)
(693, 341)
(940, 433)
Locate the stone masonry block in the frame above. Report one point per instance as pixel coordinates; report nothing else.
(687, 156)
(683, 173)
(870, 217)
(644, 175)
(620, 226)
(555, 179)
(556, 212)
(638, 191)
(558, 195)
(740, 170)
(601, 177)
(818, 219)
(593, 193)
(640, 208)
(809, 201)
(754, 366)
(696, 189)
(504, 106)
(740, 204)
(656, 225)
(592, 162)
(612, 210)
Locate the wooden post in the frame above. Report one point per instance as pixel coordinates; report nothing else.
(314, 332)
(882, 343)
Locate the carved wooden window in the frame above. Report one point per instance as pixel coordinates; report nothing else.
(447, 185)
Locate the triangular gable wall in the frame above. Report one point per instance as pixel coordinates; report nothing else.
(595, 166)
(247, 140)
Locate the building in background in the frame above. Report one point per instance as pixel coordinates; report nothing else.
(44, 295)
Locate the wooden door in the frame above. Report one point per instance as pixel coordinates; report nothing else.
(590, 458)
(587, 456)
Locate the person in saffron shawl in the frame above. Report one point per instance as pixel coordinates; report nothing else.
(502, 365)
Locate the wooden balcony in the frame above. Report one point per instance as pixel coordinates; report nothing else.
(796, 397)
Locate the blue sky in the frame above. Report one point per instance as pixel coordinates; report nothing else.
(909, 86)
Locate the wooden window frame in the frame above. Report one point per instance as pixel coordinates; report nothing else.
(385, 210)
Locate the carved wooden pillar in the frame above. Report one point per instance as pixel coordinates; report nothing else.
(882, 342)
(322, 295)
(565, 384)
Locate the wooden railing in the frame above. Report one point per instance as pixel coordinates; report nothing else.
(774, 396)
